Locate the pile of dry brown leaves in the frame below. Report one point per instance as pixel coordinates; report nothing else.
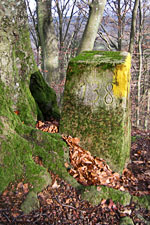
(89, 170)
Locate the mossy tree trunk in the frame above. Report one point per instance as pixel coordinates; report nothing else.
(19, 140)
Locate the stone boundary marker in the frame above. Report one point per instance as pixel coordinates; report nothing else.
(96, 105)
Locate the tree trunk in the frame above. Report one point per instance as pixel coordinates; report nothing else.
(133, 24)
(147, 121)
(95, 16)
(20, 142)
(49, 44)
(140, 62)
(119, 27)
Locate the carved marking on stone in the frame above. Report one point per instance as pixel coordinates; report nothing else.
(93, 92)
(97, 98)
(96, 90)
(108, 97)
(82, 90)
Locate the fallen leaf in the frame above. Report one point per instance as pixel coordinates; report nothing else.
(20, 185)
(66, 165)
(5, 192)
(15, 214)
(49, 201)
(55, 185)
(26, 188)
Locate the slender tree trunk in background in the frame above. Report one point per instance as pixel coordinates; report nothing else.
(49, 44)
(140, 62)
(91, 29)
(148, 111)
(119, 27)
(146, 61)
(133, 25)
(60, 16)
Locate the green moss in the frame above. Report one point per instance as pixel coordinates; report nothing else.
(143, 201)
(30, 203)
(100, 57)
(23, 62)
(44, 96)
(101, 133)
(19, 143)
(135, 138)
(27, 108)
(126, 221)
(102, 127)
(92, 195)
(17, 162)
(17, 153)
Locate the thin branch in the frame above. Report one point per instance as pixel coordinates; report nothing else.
(69, 21)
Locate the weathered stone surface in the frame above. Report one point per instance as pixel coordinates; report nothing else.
(96, 105)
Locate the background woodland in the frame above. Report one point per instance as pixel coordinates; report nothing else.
(57, 33)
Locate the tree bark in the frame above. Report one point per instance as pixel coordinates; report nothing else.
(140, 62)
(133, 24)
(49, 44)
(91, 29)
(20, 142)
(119, 27)
(147, 122)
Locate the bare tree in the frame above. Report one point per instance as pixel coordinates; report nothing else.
(34, 35)
(140, 60)
(49, 43)
(91, 29)
(133, 26)
(69, 17)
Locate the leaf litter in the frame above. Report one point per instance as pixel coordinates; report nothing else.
(62, 204)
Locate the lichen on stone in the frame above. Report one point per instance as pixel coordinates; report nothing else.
(121, 78)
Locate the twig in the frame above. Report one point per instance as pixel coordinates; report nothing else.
(6, 217)
(69, 206)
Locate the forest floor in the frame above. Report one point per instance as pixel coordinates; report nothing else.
(62, 204)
